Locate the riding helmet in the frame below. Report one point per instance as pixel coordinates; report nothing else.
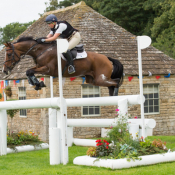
(51, 18)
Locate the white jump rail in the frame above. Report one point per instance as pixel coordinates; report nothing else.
(31, 104)
(149, 123)
(104, 101)
(133, 128)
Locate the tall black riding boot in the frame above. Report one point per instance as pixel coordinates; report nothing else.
(68, 56)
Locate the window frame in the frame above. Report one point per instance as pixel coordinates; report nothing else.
(19, 95)
(152, 113)
(90, 115)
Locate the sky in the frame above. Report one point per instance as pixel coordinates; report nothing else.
(21, 11)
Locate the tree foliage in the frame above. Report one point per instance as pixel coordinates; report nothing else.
(129, 14)
(91, 3)
(52, 5)
(12, 30)
(163, 29)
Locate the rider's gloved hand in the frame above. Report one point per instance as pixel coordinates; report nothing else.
(40, 40)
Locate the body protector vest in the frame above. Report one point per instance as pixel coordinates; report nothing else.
(67, 32)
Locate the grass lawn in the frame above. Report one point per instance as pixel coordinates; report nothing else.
(37, 163)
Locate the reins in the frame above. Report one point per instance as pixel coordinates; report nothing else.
(29, 50)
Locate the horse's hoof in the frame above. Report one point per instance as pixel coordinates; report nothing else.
(37, 88)
(42, 84)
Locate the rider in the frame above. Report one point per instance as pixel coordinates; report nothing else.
(64, 30)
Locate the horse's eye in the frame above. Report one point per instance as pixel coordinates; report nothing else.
(9, 54)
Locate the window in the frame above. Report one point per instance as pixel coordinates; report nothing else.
(90, 91)
(151, 93)
(22, 96)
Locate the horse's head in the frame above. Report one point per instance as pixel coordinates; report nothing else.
(11, 58)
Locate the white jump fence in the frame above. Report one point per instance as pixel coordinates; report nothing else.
(61, 128)
(134, 125)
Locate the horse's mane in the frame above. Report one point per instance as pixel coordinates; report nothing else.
(25, 39)
(30, 38)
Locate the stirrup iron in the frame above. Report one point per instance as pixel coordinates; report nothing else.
(71, 69)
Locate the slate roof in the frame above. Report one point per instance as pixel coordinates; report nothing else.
(101, 35)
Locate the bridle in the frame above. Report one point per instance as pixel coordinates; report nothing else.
(14, 62)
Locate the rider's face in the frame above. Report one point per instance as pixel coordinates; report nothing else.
(51, 25)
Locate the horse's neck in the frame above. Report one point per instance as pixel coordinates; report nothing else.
(36, 49)
(24, 47)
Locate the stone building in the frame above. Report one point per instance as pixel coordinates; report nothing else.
(100, 35)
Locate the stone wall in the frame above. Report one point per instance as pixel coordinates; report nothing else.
(165, 120)
(36, 120)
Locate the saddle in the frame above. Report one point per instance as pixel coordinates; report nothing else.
(77, 49)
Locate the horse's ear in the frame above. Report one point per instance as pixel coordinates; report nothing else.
(7, 44)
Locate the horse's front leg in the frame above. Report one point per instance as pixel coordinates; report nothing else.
(33, 80)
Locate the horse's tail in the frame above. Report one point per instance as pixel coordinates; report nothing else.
(117, 70)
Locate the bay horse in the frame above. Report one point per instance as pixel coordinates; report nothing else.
(98, 69)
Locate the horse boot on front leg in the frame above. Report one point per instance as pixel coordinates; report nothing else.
(35, 82)
(68, 56)
(42, 84)
(30, 81)
(38, 86)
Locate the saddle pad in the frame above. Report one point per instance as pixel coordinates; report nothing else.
(79, 55)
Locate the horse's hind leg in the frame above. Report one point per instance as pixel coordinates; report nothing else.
(115, 91)
(112, 84)
(116, 88)
(111, 90)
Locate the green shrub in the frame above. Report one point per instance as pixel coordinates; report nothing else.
(22, 138)
(120, 143)
(91, 152)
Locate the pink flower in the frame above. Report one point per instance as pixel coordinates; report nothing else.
(135, 117)
(117, 110)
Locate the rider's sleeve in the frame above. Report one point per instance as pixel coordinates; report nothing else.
(51, 32)
(62, 27)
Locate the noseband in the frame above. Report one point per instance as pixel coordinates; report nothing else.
(13, 56)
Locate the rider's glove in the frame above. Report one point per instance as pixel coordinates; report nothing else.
(40, 40)
(43, 40)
